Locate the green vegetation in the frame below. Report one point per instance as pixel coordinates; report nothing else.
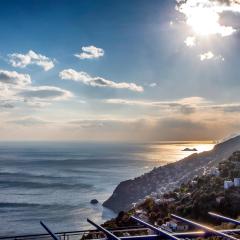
(193, 199)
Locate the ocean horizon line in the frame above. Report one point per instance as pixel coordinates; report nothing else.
(112, 142)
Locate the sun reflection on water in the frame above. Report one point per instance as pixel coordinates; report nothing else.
(169, 152)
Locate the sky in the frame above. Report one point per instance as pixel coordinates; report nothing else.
(108, 70)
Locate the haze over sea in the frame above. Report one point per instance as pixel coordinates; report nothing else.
(54, 182)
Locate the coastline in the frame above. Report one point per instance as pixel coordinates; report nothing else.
(170, 176)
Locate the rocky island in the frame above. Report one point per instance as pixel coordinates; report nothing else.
(189, 150)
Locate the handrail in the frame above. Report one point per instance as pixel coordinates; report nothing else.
(72, 232)
(228, 219)
(143, 227)
(109, 234)
(160, 231)
(53, 235)
(204, 227)
(150, 237)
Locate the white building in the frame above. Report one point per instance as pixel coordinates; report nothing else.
(175, 225)
(194, 182)
(143, 216)
(154, 195)
(219, 199)
(228, 184)
(236, 182)
(213, 171)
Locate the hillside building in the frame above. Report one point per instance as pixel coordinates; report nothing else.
(175, 225)
(236, 182)
(228, 184)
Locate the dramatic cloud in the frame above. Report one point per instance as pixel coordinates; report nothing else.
(70, 74)
(30, 58)
(166, 128)
(144, 129)
(90, 52)
(209, 55)
(184, 105)
(14, 78)
(45, 93)
(203, 16)
(190, 41)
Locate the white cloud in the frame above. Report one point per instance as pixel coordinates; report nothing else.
(209, 55)
(30, 58)
(8, 93)
(90, 52)
(14, 78)
(183, 101)
(132, 102)
(190, 41)
(206, 56)
(193, 100)
(16, 88)
(45, 93)
(70, 74)
(203, 16)
(153, 84)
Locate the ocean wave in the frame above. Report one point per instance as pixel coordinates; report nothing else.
(30, 175)
(70, 161)
(33, 205)
(25, 184)
(14, 205)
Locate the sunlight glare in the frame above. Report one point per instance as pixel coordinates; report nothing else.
(203, 17)
(204, 21)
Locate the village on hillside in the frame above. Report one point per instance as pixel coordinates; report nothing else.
(218, 190)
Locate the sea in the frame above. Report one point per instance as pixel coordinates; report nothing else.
(55, 181)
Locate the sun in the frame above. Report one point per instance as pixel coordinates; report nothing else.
(204, 21)
(203, 16)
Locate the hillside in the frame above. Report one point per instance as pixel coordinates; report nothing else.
(170, 176)
(193, 199)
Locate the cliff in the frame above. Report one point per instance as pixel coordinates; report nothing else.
(170, 176)
(193, 199)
